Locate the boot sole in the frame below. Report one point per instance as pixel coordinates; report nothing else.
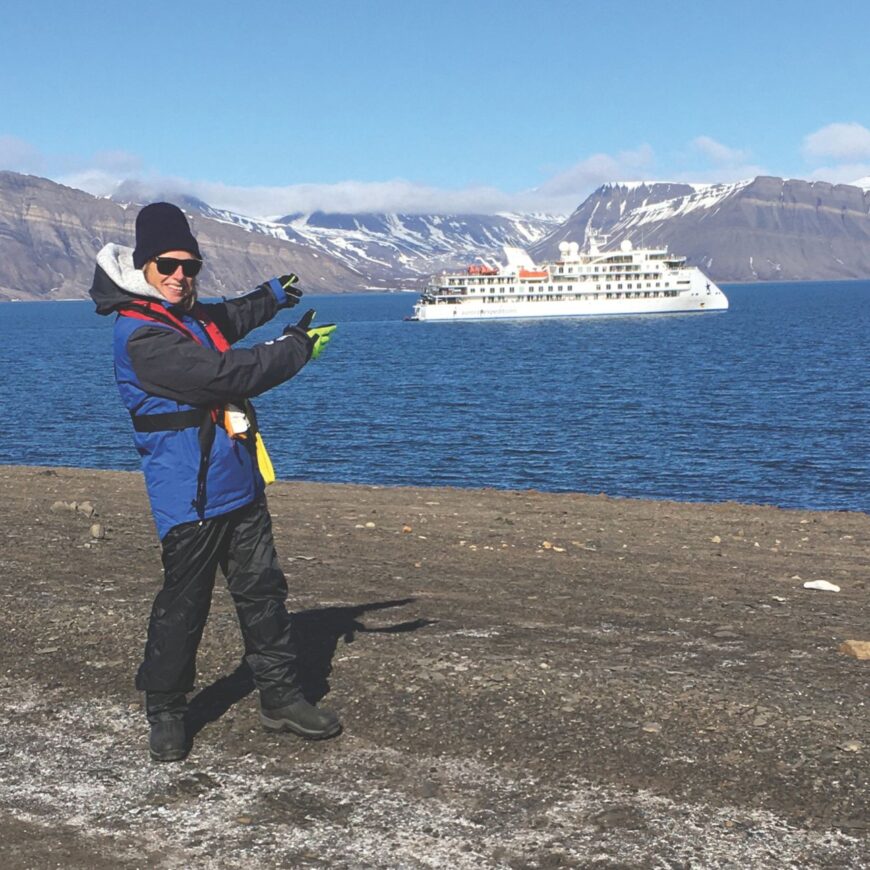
(175, 755)
(277, 725)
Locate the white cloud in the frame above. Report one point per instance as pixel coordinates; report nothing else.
(842, 142)
(844, 173)
(397, 195)
(103, 173)
(560, 194)
(718, 153)
(720, 174)
(593, 171)
(97, 173)
(20, 156)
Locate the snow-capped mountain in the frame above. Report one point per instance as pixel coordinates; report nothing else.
(383, 246)
(395, 250)
(50, 235)
(763, 229)
(386, 250)
(758, 230)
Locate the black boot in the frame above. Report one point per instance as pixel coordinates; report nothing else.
(301, 718)
(166, 712)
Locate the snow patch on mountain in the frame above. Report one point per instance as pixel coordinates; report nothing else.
(416, 245)
(705, 196)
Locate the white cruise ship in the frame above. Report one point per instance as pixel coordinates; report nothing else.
(587, 283)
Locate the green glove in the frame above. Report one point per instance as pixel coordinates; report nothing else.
(321, 336)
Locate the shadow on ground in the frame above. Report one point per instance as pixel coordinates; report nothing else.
(317, 633)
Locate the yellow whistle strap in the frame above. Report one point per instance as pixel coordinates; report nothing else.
(263, 462)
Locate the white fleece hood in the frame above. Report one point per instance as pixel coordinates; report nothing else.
(117, 262)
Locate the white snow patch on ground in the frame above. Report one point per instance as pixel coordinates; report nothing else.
(360, 805)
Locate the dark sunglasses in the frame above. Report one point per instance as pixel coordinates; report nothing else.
(168, 265)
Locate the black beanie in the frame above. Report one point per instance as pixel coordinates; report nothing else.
(162, 227)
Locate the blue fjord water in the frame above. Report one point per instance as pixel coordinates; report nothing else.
(767, 403)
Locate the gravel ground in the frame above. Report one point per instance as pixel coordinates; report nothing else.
(526, 680)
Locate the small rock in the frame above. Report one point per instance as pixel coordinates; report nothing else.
(63, 506)
(851, 746)
(407, 530)
(652, 727)
(547, 545)
(822, 585)
(761, 721)
(370, 525)
(86, 508)
(98, 532)
(428, 789)
(715, 539)
(244, 820)
(859, 649)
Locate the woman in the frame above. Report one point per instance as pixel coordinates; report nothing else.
(188, 391)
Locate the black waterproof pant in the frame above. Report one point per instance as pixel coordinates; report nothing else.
(241, 544)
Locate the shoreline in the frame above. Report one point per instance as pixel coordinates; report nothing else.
(525, 679)
(493, 489)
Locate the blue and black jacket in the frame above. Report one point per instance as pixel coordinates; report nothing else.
(161, 370)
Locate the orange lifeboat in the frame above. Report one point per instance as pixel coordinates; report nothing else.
(529, 273)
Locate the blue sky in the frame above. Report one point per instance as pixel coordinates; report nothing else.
(269, 107)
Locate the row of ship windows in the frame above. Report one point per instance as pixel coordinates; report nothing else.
(620, 268)
(653, 294)
(569, 276)
(559, 288)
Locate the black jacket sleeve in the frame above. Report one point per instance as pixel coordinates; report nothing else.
(237, 317)
(169, 364)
